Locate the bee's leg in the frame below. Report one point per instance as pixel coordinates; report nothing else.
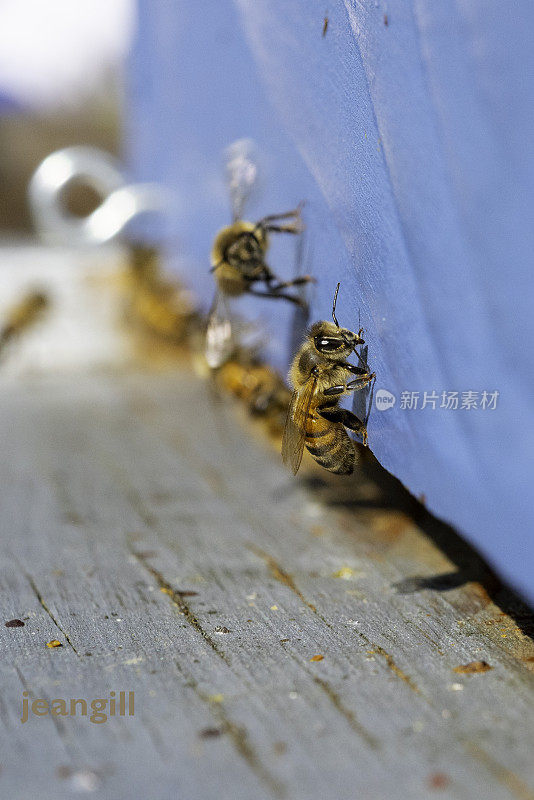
(269, 277)
(361, 381)
(358, 383)
(274, 285)
(290, 227)
(296, 300)
(355, 370)
(266, 223)
(295, 213)
(300, 281)
(348, 419)
(259, 273)
(333, 390)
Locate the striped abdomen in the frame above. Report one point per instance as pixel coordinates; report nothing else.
(329, 444)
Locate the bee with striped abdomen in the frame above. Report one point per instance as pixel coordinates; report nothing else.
(320, 376)
(238, 255)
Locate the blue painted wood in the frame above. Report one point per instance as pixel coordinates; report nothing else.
(409, 129)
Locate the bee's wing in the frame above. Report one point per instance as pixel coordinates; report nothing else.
(219, 342)
(295, 428)
(241, 174)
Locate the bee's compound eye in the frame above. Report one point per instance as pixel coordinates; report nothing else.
(327, 344)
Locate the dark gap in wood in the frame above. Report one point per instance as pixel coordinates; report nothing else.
(177, 598)
(238, 735)
(42, 602)
(349, 715)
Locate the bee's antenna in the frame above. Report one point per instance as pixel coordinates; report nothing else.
(337, 323)
(334, 306)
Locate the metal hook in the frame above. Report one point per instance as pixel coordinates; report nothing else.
(95, 168)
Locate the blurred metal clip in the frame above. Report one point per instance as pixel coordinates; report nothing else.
(96, 169)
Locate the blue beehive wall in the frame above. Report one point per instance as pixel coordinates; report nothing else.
(409, 129)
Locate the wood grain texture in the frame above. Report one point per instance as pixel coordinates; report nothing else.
(169, 552)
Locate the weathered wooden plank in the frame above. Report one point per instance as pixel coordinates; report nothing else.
(147, 528)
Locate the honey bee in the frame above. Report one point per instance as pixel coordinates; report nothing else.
(261, 389)
(162, 306)
(238, 257)
(239, 252)
(22, 315)
(319, 377)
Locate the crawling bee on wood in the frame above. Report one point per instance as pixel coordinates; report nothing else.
(261, 389)
(22, 316)
(162, 306)
(319, 377)
(239, 252)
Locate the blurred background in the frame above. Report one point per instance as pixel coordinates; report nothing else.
(62, 82)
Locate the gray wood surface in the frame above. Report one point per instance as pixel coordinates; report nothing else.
(160, 540)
